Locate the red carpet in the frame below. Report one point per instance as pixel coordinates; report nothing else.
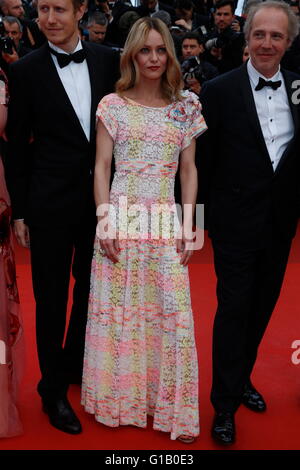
(275, 375)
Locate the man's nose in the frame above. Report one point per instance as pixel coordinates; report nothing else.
(267, 42)
(51, 16)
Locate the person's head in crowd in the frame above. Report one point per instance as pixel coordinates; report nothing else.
(163, 16)
(294, 4)
(270, 29)
(245, 53)
(97, 27)
(192, 45)
(12, 8)
(13, 29)
(184, 9)
(224, 14)
(103, 5)
(150, 4)
(58, 20)
(126, 22)
(149, 54)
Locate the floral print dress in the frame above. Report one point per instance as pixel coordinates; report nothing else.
(140, 355)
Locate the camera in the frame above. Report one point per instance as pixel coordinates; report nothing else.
(7, 45)
(225, 38)
(192, 68)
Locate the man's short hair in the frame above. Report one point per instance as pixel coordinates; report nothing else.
(193, 35)
(293, 22)
(224, 3)
(13, 20)
(163, 16)
(97, 18)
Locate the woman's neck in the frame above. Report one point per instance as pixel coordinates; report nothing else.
(147, 92)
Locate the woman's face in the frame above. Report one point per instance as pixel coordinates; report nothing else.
(152, 58)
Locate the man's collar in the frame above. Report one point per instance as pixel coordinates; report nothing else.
(61, 51)
(254, 74)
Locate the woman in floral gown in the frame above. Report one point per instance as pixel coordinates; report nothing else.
(140, 355)
(11, 346)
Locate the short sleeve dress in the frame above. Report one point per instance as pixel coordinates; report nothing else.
(140, 355)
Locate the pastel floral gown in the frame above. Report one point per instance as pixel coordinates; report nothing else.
(140, 355)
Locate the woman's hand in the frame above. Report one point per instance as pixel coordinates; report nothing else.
(185, 247)
(108, 240)
(22, 233)
(111, 248)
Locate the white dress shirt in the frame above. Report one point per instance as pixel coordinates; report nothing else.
(76, 81)
(274, 114)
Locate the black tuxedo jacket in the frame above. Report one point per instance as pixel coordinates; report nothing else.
(247, 201)
(51, 180)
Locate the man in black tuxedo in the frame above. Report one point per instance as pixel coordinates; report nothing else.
(251, 160)
(54, 96)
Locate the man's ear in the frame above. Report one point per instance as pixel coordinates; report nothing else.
(80, 12)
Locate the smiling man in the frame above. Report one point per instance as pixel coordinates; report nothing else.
(55, 91)
(253, 203)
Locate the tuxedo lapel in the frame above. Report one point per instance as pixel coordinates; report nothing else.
(56, 90)
(93, 63)
(251, 111)
(288, 80)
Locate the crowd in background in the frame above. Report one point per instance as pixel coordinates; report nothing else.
(208, 36)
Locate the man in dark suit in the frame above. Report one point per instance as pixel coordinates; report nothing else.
(251, 160)
(54, 96)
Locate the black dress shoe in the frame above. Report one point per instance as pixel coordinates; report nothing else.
(61, 415)
(223, 429)
(252, 399)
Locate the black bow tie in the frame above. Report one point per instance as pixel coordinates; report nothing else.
(64, 59)
(262, 83)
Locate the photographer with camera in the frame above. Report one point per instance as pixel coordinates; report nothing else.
(195, 70)
(225, 43)
(32, 36)
(11, 46)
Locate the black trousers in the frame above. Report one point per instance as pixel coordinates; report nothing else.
(56, 252)
(248, 286)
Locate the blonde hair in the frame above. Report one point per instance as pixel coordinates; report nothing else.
(171, 81)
